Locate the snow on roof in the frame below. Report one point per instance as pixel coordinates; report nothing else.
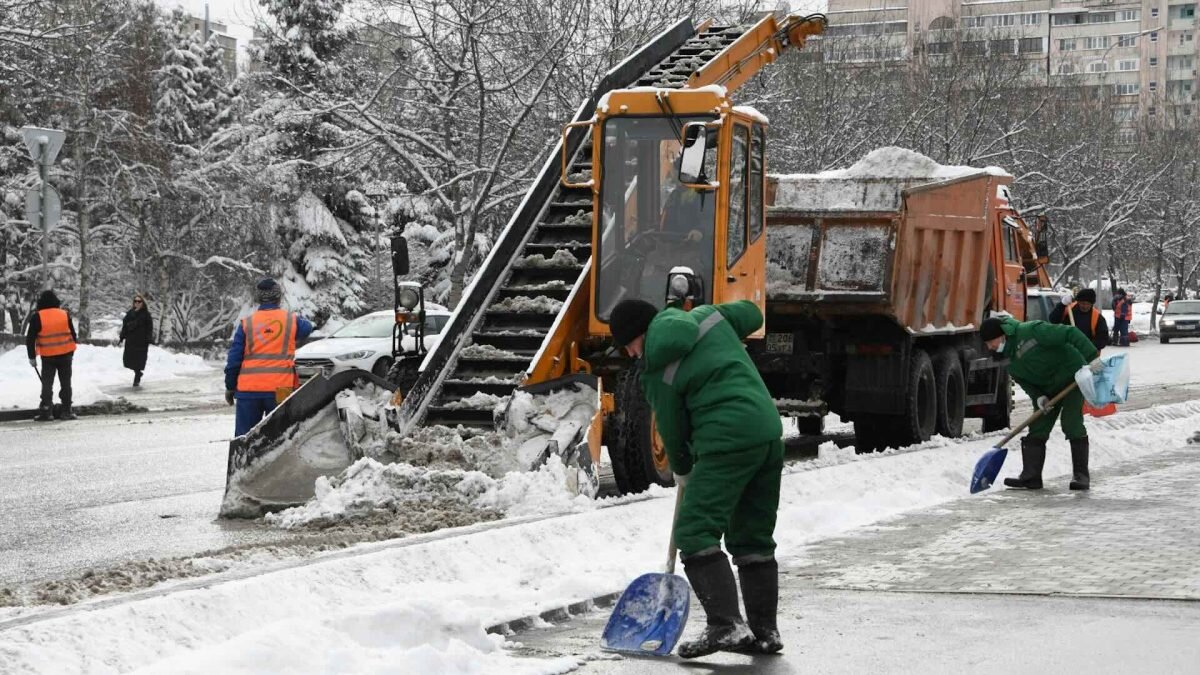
(602, 104)
(873, 183)
(751, 112)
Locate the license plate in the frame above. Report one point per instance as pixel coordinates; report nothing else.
(779, 343)
(1185, 326)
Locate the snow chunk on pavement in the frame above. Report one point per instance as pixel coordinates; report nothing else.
(92, 368)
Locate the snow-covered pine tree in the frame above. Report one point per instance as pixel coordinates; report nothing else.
(216, 87)
(308, 36)
(180, 110)
(324, 274)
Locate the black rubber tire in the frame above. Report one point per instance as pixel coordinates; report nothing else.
(633, 455)
(1001, 417)
(1164, 340)
(951, 393)
(919, 420)
(403, 373)
(382, 367)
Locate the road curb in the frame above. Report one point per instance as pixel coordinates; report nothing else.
(553, 615)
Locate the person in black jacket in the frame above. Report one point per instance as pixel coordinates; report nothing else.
(137, 332)
(1083, 314)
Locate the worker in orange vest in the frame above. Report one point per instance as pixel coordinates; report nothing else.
(1082, 314)
(1122, 316)
(51, 335)
(260, 369)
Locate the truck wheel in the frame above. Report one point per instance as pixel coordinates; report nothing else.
(920, 417)
(638, 458)
(951, 393)
(1001, 415)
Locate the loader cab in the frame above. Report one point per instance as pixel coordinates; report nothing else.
(678, 180)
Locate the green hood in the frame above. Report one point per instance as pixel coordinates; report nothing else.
(674, 336)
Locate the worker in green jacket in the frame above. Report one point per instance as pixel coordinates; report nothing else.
(1043, 358)
(722, 435)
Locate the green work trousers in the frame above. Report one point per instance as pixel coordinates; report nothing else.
(1071, 409)
(734, 495)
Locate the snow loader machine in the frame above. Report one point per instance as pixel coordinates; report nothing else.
(657, 189)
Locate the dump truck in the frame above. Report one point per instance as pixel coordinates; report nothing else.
(658, 189)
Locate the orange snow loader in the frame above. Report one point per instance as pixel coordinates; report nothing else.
(872, 280)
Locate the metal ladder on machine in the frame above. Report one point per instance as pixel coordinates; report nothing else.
(496, 330)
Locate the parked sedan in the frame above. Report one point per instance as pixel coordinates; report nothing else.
(1180, 320)
(366, 343)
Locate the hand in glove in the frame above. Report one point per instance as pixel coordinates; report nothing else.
(1043, 403)
(33, 362)
(228, 397)
(1096, 366)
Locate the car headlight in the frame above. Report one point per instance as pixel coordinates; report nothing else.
(1168, 322)
(354, 356)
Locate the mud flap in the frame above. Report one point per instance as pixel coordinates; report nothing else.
(571, 441)
(315, 432)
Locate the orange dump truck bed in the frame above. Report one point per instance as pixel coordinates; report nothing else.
(912, 247)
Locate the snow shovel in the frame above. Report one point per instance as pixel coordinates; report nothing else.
(988, 466)
(649, 617)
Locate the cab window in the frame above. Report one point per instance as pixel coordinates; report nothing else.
(738, 159)
(757, 164)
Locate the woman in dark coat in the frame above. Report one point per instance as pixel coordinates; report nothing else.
(137, 330)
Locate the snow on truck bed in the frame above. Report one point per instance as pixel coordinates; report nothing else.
(873, 183)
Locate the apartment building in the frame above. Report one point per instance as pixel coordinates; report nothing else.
(227, 42)
(1146, 50)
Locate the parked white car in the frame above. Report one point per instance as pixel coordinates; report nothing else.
(366, 343)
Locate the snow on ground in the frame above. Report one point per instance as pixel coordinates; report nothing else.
(421, 604)
(92, 369)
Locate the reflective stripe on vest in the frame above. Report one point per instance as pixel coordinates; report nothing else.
(706, 325)
(268, 362)
(1095, 316)
(1124, 310)
(54, 339)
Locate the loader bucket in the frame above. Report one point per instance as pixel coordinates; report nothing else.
(275, 465)
(573, 441)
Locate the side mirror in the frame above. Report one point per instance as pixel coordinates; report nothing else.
(692, 171)
(399, 255)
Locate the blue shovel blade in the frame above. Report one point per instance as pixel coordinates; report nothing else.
(650, 615)
(987, 469)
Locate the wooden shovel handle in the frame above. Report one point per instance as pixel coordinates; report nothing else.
(672, 552)
(1037, 413)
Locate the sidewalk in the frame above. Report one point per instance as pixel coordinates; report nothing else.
(1003, 582)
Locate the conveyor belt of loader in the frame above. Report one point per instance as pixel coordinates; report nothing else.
(507, 313)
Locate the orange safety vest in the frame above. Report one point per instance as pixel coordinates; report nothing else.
(54, 339)
(1095, 316)
(1124, 310)
(269, 359)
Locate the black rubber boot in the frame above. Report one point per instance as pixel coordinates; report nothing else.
(760, 594)
(1033, 458)
(712, 580)
(137, 378)
(45, 414)
(66, 413)
(1079, 464)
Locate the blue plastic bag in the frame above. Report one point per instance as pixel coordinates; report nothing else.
(1110, 385)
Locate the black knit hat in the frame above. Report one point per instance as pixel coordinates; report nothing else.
(629, 319)
(267, 291)
(48, 300)
(991, 329)
(1086, 295)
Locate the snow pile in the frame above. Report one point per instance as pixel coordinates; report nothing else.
(873, 183)
(93, 368)
(561, 258)
(520, 303)
(436, 466)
